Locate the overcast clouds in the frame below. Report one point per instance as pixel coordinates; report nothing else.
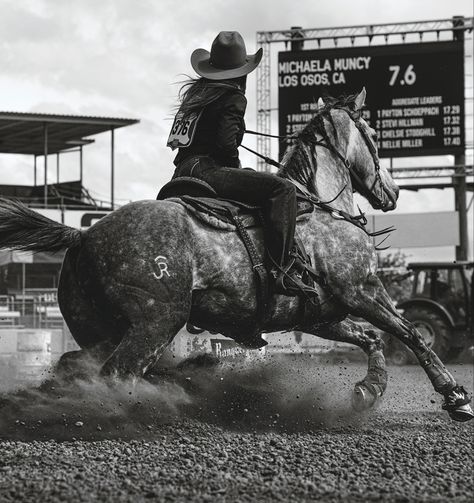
(120, 58)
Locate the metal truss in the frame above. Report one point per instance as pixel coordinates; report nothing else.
(263, 106)
(370, 31)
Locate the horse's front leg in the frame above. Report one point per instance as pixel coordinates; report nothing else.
(372, 302)
(371, 388)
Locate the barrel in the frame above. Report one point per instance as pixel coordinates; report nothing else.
(33, 354)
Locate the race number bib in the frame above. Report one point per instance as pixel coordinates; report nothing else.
(182, 131)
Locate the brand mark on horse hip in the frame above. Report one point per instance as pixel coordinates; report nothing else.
(162, 264)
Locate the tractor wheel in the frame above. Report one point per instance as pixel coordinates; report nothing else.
(398, 354)
(433, 328)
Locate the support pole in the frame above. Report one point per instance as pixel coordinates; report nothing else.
(112, 169)
(80, 164)
(23, 287)
(35, 169)
(460, 194)
(57, 167)
(45, 129)
(459, 182)
(297, 38)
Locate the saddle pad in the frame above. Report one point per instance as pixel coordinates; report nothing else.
(216, 212)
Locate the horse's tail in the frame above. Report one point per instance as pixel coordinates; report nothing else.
(25, 229)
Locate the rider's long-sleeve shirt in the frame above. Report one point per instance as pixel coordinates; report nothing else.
(219, 131)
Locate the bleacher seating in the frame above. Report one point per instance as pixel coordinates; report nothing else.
(9, 318)
(50, 317)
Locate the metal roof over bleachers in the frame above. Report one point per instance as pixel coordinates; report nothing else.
(40, 135)
(25, 133)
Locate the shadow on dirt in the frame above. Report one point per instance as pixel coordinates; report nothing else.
(295, 394)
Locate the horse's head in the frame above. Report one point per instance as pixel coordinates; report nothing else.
(337, 150)
(368, 177)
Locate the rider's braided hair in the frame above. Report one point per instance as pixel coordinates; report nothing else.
(196, 93)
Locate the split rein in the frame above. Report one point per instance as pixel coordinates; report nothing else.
(360, 220)
(355, 117)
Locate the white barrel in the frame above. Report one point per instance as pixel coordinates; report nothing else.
(33, 354)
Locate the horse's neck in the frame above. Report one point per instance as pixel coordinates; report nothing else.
(332, 177)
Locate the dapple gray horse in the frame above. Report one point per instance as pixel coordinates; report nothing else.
(136, 277)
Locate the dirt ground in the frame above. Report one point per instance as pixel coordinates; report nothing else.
(277, 430)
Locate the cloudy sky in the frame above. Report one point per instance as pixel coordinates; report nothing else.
(122, 58)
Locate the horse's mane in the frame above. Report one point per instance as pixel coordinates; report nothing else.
(299, 161)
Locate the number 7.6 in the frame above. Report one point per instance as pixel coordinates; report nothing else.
(409, 77)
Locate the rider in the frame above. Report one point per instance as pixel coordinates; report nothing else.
(208, 130)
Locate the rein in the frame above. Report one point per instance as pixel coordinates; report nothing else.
(369, 194)
(360, 220)
(289, 137)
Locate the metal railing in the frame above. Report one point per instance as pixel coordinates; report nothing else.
(30, 310)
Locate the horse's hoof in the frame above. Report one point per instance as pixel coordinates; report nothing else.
(363, 398)
(194, 330)
(457, 404)
(462, 413)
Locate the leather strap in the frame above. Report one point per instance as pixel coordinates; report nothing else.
(258, 267)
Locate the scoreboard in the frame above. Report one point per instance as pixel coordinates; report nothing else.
(415, 92)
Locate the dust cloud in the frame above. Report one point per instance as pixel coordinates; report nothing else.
(281, 394)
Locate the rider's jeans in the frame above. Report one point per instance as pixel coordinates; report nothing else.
(277, 197)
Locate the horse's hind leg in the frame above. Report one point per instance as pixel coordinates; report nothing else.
(374, 304)
(95, 337)
(374, 384)
(153, 324)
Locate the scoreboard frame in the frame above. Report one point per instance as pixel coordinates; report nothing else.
(415, 92)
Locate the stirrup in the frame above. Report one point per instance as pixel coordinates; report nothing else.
(289, 282)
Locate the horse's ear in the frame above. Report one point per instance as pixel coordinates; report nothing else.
(321, 103)
(359, 102)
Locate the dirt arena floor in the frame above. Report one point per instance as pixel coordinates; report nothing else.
(277, 430)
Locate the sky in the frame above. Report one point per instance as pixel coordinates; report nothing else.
(125, 58)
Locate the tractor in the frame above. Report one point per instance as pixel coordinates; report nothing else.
(441, 308)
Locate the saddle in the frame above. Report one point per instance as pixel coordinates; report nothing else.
(201, 200)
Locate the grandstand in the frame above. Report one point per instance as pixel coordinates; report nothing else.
(28, 281)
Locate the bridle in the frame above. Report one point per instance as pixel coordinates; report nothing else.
(369, 194)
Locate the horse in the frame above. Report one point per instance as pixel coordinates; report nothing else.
(130, 282)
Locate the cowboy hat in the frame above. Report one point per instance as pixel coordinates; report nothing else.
(228, 58)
